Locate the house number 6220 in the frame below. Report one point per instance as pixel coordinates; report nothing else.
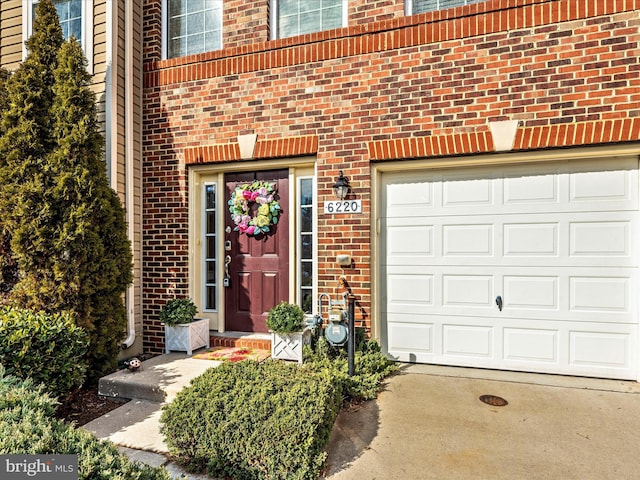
(344, 206)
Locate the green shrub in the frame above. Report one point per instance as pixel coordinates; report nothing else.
(64, 231)
(249, 420)
(178, 311)
(49, 348)
(285, 318)
(371, 367)
(27, 426)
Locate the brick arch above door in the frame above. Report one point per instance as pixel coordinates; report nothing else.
(264, 149)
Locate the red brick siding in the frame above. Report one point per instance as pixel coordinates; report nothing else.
(431, 146)
(248, 22)
(408, 83)
(368, 11)
(245, 22)
(529, 138)
(152, 31)
(274, 148)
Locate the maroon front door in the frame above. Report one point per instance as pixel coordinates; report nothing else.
(258, 266)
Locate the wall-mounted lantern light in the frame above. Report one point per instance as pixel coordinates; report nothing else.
(341, 187)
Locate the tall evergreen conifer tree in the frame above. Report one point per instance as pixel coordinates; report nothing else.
(94, 267)
(8, 270)
(67, 226)
(25, 143)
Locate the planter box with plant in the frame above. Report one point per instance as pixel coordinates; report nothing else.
(289, 333)
(183, 332)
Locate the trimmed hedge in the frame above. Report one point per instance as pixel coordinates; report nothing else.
(371, 367)
(48, 348)
(27, 426)
(254, 421)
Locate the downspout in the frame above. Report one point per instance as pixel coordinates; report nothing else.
(129, 170)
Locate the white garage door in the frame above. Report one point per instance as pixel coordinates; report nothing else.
(558, 243)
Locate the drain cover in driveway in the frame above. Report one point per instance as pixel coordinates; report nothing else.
(493, 400)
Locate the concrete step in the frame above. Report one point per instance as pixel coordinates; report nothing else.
(161, 377)
(135, 426)
(158, 380)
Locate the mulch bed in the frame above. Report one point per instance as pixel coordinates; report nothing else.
(85, 405)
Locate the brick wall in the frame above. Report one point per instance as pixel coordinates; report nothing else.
(245, 22)
(565, 69)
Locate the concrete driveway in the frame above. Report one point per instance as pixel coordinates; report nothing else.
(430, 424)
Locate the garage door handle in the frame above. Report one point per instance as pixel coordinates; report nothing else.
(499, 302)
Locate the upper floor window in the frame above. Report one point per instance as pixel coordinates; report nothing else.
(296, 17)
(76, 18)
(192, 26)
(419, 6)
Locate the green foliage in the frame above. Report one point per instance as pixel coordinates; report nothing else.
(64, 226)
(8, 270)
(285, 318)
(4, 95)
(269, 420)
(371, 366)
(249, 420)
(26, 136)
(178, 311)
(27, 426)
(50, 349)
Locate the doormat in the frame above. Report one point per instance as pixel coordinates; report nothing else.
(233, 354)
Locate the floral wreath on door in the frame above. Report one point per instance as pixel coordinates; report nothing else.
(253, 207)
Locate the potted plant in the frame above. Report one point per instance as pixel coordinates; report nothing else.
(288, 331)
(182, 331)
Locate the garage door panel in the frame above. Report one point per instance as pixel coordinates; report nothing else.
(468, 341)
(603, 186)
(408, 291)
(474, 291)
(530, 345)
(600, 235)
(531, 292)
(547, 347)
(468, 240)
(571, 295)
(603, 238)
(410, 197)
(557, 242)
(601, 294)
(531, 239)
(468, 192)
(410, 243)
(410, 337)
(604, 350)
(536, 189)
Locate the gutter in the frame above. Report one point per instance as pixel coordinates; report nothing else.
(129, 170)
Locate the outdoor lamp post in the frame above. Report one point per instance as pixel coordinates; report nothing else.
(341, 187)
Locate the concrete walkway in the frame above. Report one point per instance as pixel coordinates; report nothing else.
(429, 423)
(135, 426)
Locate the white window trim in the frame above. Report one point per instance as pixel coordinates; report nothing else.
(273, 17)
(408, 7)
(165, 31)
(87, 29)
